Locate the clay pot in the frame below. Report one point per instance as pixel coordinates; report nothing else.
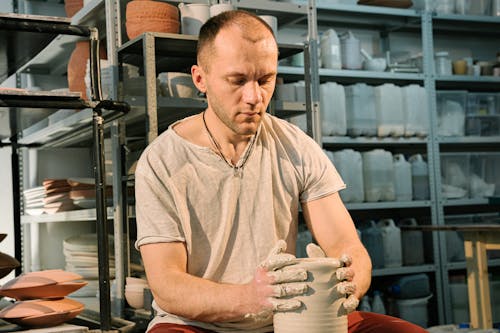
(145, 15)
(7, 264)
(77, 66)
(72, 7)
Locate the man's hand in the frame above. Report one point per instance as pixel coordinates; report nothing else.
(344, 274)
(270, 283)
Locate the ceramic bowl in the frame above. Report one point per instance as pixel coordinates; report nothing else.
(181, 85)
(375, 64)
(7, 264)
(135, 298)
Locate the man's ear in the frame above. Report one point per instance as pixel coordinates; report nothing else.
(198, 76)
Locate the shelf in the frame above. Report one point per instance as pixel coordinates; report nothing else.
(466, 202)
(177, 52)
(462, 264)
(368, 17)
(373, 141)
(469, 82)
(403, 270)
(473, 24)
(480, 141)
(388, 205)
(345, 76)
(80, 215)
(53, 59)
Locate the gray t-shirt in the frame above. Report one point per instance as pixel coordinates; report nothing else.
(229, 220)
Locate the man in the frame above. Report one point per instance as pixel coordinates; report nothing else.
(218, 191)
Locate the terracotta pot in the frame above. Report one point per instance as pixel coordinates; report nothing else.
(72, 7)
(77, 66)
(143, 16)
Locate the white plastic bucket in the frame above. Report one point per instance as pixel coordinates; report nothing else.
(193, 16)
(414, 310)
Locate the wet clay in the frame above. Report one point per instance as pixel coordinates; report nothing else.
(321, 309)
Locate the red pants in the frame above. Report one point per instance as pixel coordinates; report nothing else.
(359, 322)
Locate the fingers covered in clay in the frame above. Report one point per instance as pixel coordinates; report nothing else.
(344, 273)
(351, 303)
(289, 289)
(277, 258)
(346, 260)
(314, 251)
(290, 275)
(345, 288)
(285, 304)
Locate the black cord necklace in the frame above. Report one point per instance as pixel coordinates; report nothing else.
(214, 142)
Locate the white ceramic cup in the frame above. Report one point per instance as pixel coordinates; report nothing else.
(220, 8)
(272, 21)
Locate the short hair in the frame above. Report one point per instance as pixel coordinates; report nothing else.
(244, 20)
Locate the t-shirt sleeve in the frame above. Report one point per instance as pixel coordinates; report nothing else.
(156, 214)
(320, 177)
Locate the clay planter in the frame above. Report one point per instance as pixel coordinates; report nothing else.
(7, 264)
(72, 7)
(77, 66)
(143, 16)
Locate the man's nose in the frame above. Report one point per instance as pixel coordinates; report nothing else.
(252, 93)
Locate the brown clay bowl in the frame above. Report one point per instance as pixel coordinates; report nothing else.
(52, 291)
(41, 278)
(7, 264)
(146, 10)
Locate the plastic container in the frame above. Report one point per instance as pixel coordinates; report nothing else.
(415, 110)
(360, 110)
(455, 175)
(419, 177)
(365, 305)
(402, 178)
(349, 164)
(333, 109)
(414, 310)
(443, 63)
(445, 6)
(413, 244)
(454, 240)
(483, 114)
(330, 50)
(484, 180)
(371, 237)
(350, 52)
(479, 7)
(391, 238)
(378, 175)
(389, 110)
(411, 286)
(451, 112)
(377, 303)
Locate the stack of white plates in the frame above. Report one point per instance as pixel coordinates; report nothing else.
(80, 253)
(33, 200)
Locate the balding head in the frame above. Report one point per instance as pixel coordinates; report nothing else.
(252, 28)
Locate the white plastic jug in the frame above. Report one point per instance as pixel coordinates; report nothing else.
(371, 237)
(415, 110)
(402, 178)
(332, 109)
(330, 50)
(420, 177)
(391, 238)
(389, 110)
(451, 120)
(378, 175)
(360, 110)
(349, 164)
(351, 52)
(193, 16)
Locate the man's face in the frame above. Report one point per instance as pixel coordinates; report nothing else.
(239, 78)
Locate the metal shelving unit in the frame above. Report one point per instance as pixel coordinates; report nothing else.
(17, 99)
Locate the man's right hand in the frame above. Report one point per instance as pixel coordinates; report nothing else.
(273, 288)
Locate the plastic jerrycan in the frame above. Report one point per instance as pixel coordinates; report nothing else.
(420, 177)
(378, 175)
(402, 178)
(415, 110)
(330, 50)
(360, 110)
(349, 164)
(412, 242)
(371, 237)
(391, 239)
(350, 48)
(332, 109)
(389, 110)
